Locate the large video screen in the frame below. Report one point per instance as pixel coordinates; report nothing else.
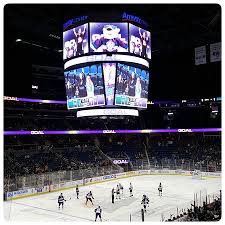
(84, 87)
(75, 41)
(109, 71)
(108, 37)
(131, 86)
(140, 41)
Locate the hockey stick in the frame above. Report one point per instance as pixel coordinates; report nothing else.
(67, 199)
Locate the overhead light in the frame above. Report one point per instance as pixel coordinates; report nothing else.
(60, 50)
(18, 40)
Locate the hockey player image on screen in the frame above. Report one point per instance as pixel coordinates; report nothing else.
(138, 88)
(89, 87)
(140, 41)
(84, 82)
(79, 37)
(109, 37)
(84, 87)
(75, 42)
(132, 81)
(109, 70)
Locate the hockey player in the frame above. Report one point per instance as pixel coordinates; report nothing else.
(131, 190)
(145, 202)
(98, 212)
(117, 192)
(61, 200)
(77, 191)
(121, 187)
(89, 197)
(160, 189)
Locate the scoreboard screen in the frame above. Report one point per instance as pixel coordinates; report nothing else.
(131, 86)
(106, 64)
(109, 37)
(75, 42)
(84, 87)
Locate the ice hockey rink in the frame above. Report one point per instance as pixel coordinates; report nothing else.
(178, 192)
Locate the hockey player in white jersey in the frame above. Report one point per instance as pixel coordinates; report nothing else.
(61, 200)
(131, 190)
(98, 213)
(89, 197)
(145, 202)
(121, 187)
(160, 189)
(117, 192)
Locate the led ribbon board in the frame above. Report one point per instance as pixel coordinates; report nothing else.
(112, 131)
(108, 112)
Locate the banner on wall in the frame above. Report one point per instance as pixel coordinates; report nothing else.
(200, 55)
(215, 52)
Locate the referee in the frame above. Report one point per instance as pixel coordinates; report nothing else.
(113, 195)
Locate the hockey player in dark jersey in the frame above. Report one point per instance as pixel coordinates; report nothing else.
(160, 189)
(131, 190)
(89, 197)
(145, 202)
(61, 200)
(98, 213)
(77, 191)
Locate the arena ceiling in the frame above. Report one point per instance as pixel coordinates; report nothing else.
(174, 28)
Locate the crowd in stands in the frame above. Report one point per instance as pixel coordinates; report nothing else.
(201, 149)
(206, 212)
(40, 154)
(37, 154)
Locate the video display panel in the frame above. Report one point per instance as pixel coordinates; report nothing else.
(75, 41)
(108, 37)
(84, 87)
(109, 71)
(140, 41)
(131, 86)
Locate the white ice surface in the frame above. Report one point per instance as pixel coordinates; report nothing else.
(178, 191)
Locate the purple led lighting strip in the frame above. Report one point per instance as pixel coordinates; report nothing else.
(8, 98)
(113, 131)
(41, 101)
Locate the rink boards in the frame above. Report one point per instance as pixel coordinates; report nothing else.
(88, 181)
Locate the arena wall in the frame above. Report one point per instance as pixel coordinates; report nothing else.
(88, 181)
